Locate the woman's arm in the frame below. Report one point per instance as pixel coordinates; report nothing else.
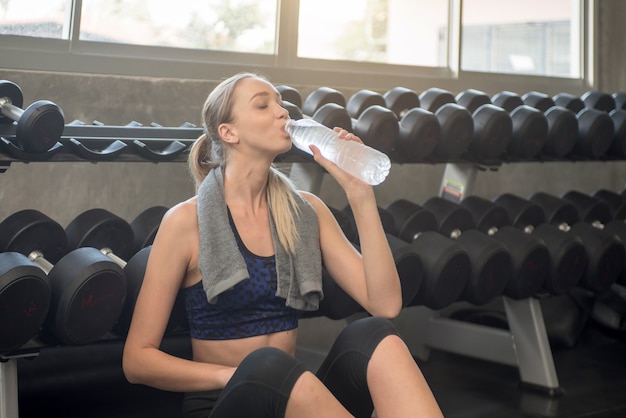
(371, 278)
(168, 266)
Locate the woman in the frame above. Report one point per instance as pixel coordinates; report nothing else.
(247, 252)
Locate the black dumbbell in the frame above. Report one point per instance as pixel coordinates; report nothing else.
(408, 263)
(605, 253)
(595, 127)
(376, 125)
(616, 202)
(24, 300)
(88, 289)
(324, 106)
(493, 126)
(614, 105)
(530, 256)
(39, 126)
(491, 263)
(568, 258)
(535, 132)
(455, 121)
(419, 131)
(145, 226)
(290, 94)
(116, 238)
(446, 264)
(292, 101)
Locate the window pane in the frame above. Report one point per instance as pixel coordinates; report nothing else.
(536, 37)
(228, 25)
(36, 18)
(405, 32)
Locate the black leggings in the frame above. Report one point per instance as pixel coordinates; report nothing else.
(262, 383)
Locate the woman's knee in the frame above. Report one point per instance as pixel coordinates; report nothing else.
(268, 366)
(365, 334)
(261, 385)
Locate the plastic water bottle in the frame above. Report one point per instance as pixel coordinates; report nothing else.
(363, 162)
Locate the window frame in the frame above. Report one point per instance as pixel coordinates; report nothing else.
(58, 55)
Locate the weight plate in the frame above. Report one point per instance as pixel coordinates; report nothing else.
(319, 97)
(530, 132)
(40, 126)
(507, 100)
(99, 228)
(30, 230)
(562, 131)
(332, 115)
(290, 94)
(24, 300)
(400, 100)
(418, 135)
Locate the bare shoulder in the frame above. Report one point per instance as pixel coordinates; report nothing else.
(182, 216)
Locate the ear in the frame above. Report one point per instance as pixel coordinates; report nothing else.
(227, 133)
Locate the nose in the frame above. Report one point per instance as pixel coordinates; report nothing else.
(282, 112)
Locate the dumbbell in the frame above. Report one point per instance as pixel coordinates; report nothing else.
(568, 258)
(455, 121)
(491, 263)
(595, 127)
(493, 126)
(446, 264)
(292, 101)
(613, 104)
(290, 94)
(419, 130)
(376, 125)
(552, 133)
(605, 252)
(616, 202)
(530, 256)
(116, 238)
(408, 263)
(87, 288)
(39, 126)
(24, 300)
(145, 226)
(603, 211)
(324, 106)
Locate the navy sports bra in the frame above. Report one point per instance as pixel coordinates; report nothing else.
(250, 308)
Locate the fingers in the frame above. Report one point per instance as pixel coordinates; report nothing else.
(344, 134)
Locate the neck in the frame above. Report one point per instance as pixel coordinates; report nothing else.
(246, 185)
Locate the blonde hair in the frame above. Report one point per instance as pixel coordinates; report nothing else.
(208, 152)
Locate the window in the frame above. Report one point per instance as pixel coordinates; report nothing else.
(336, 42)
(241, 26)
(405, 32)
(41, 19)
(512, 37)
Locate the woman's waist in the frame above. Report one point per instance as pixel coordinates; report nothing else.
(232, 352)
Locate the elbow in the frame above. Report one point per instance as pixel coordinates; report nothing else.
(130, 369)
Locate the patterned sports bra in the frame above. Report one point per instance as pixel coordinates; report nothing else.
(249, 309)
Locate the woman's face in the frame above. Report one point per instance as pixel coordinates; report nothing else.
(259, 117)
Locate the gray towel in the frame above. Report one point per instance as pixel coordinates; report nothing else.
(299, 278)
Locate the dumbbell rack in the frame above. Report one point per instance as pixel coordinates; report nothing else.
(524, 346)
